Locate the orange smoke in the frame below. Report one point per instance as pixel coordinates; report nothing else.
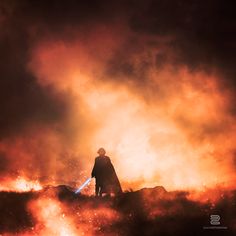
(172, 129)
(171, 136)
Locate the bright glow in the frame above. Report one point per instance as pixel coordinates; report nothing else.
(52, 219)
(20, 184)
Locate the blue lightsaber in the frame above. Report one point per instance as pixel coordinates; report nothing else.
(83, 185)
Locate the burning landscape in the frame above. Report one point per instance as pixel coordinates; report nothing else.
(153, 82)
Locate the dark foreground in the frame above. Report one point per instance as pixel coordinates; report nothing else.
(151, 211)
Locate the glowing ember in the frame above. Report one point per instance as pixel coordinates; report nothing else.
(20, 185)
(163, 138)
(170, 126)
(153, 82)
(51, 219)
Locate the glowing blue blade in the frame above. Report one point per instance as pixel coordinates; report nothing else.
(83, 185)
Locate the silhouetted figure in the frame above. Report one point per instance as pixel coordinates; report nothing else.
(106, 178)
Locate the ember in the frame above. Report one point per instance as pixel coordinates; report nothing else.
(20, 184)
(152, 82)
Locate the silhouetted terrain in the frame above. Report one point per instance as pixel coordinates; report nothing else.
(149, 211)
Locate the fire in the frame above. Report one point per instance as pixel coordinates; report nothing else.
(212, 195)
(95, 220)
(154, 138)
(156, 91)
(175, 129)
(23, 185)
(51, 218)
(20, 184)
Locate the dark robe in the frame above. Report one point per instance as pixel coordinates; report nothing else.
(106, 178)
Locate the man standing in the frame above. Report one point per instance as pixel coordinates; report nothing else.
(106, 178)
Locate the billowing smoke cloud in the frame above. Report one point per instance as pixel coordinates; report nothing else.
(152, 81)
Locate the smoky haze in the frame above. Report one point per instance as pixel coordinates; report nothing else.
(151, 81)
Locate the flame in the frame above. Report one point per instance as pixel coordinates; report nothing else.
(51, 218)
(20, 184)
(210, 195)
(164, 139)
(174, 129)
(23, 185)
